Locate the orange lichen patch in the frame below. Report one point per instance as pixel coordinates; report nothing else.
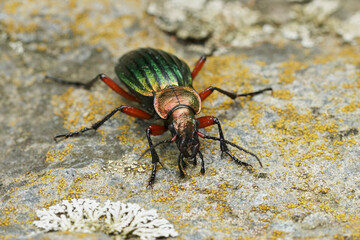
(66, 101)
(216, 73)
(58, 155)
(294, 130)
(321, 59)
(5, 221)
(260, 63)
(262, 208)
(256, 113)
(348, 85)
(61, 185)
(218, 196)
(8, 210)
(74, 191)
(50, 203)
(13, 26)
(165, 198)
(211, 171)
(289, 115)
(12, 6)
(277, 234)
(287, 76)
(348, 54)
(282, 94)
(98, 106)
(350, 107)
(111, 29)
(246, 238)
(289, 69)
(75, 111)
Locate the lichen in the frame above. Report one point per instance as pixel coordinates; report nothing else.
(116, 219)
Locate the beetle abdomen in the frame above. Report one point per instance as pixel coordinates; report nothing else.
(146, 71)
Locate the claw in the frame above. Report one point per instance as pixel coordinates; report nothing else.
(248, 166)
(152, 177)
(182, 174)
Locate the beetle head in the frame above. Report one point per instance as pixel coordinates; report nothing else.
(183, 128)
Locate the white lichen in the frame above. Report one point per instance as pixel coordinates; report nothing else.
(116, 219)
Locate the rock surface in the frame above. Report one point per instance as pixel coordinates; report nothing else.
(306, 132)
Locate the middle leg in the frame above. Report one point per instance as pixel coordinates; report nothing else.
(207, 92)
(131, 111)
(107, 80)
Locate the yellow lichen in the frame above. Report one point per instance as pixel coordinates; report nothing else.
(289, 69)
(350, 107)
(283, 94)
(58, 155)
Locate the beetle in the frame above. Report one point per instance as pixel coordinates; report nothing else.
(162, 84)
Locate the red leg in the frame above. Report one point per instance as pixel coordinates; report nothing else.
(117, 88)
(135, 112)
(156, 129)
(206, 121)
(204, 94)
(111, 83)
(198, 66)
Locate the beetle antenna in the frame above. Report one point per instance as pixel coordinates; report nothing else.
(234, 145)
(154, 146)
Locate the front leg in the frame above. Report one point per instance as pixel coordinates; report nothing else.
(208, 121)
(154, 130)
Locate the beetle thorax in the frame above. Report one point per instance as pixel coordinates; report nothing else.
(169, 99)
(183, 121)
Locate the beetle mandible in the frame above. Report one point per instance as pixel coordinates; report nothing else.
(162, 84)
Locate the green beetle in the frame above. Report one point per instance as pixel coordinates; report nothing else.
(162, 84)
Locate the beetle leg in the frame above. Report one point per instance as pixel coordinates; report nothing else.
(108, 81)
(198, 66)
(114, 86)
(183, 163)
(208, 121)
(87, 85)
(131, 111)
(193, 161)
(154, 130)
(202, 163)
(180, 161)
(204, 94)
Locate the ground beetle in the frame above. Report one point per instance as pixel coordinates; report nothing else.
(162, 84)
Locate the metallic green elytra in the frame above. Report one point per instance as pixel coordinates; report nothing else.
(146, 71)
(160, 80)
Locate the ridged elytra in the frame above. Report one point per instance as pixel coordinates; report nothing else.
(162, 84)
